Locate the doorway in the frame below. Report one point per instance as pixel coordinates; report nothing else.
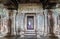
(30, 22)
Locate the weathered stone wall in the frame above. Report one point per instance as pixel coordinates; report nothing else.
(35, 8)
(18, 21)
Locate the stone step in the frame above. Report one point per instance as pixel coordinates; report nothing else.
(30, 33)
(30, 36)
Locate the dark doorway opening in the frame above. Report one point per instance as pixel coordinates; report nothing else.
(30, 22)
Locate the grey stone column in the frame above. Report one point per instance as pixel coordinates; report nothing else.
(51, 22)
(9, 23)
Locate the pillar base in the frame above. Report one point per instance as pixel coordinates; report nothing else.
(38, 36)
(8, 34)
(21, 34)
(52, 35)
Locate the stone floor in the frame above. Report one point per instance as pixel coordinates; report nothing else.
(16, 37)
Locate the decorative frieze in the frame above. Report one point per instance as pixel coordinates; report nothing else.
(30, 8)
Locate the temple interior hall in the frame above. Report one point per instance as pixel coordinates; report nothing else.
(29, 19)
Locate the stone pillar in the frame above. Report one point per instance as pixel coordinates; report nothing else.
(51, 23)
(9, 22)
(22, 24)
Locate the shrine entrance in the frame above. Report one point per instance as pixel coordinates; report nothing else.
(30, 24)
